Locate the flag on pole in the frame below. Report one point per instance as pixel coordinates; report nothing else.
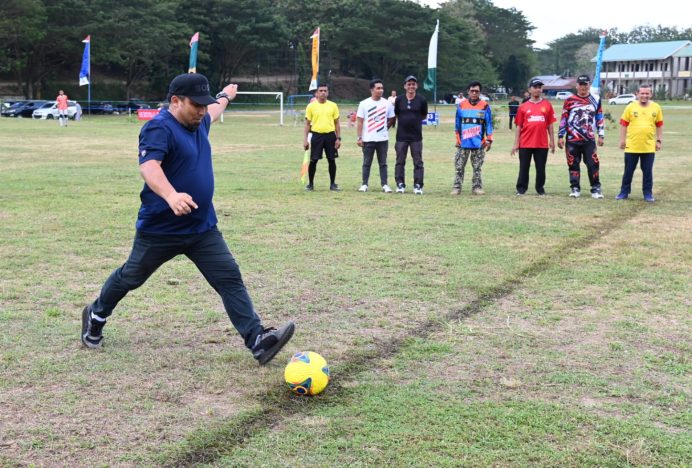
(304, 167)
(192, 68)
(431, 80)
(315, 58)
(596, 82)
(85, 71)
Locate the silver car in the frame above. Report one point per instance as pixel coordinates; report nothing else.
(623, 99)
(50, 111)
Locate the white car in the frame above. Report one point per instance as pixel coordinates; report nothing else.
(50, 111)
(623, 99)
(562, 95)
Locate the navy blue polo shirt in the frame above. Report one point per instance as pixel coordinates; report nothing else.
(186, 161)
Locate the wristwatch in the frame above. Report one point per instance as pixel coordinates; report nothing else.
(223, 95)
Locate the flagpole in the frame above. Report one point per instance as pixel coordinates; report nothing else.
(89, 89)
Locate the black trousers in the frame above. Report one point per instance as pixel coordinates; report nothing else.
(540, 157)
(208, 251)
(575, 153)
(401, 148)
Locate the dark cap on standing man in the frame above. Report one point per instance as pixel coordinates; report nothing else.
(192, 85)
(410, 78)
(583, 79)
(535, 82)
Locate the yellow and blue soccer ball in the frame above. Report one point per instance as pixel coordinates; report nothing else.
(307, 373)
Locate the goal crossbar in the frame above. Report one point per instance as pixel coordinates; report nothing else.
(277, 95)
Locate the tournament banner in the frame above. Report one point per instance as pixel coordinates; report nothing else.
(596, 82)
(85, 71)
(315, 58)
(194, 42)
(430, 83)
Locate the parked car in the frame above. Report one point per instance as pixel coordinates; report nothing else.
(24, 108)
(132, 105)
(623, 99)
(7, 103)
(98, 107)
(49, 110)
(10, 105)
(562, 95)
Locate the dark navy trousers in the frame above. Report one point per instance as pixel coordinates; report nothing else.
(646, 163)
(208, 251)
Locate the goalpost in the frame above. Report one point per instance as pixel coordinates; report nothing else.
(277, 95)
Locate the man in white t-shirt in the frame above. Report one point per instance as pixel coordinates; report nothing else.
(374, 118)
(392, 98)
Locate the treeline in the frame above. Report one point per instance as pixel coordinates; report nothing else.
(571, 54)
(143, 43)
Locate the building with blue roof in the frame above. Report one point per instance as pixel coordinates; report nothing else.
(664, 65)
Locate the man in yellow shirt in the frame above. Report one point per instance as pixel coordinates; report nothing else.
(641, 135)
(322, 120)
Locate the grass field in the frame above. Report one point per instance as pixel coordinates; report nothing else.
(461, 331)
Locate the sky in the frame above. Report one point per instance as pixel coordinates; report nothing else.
(556, 20)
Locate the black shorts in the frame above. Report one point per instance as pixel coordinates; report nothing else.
(323, 142)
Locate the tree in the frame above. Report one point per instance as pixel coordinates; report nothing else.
(129, 45)
(22, 30)
(506, 41)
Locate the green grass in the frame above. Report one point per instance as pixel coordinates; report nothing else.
(460, 330)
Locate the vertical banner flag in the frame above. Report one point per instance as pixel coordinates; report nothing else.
(315, 58)
(193, 53)
(431, 80)
(596, 82)
(85, 71)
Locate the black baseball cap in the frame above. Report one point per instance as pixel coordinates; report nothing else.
(535, 82)
(583, 79)
(410, 78)
(192, 85)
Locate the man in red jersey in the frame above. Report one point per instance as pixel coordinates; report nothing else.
(533, 137)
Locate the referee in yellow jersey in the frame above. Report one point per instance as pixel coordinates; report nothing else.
(322, 120)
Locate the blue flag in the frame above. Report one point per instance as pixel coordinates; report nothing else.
(85, 71)
(596, 82)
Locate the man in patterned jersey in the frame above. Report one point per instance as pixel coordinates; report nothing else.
(474, 132)
(375, 116)
(641, 122)
(581, 115)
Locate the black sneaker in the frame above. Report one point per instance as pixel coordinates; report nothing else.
(92, 336)
(270, 342)
(309, 188)
(334, 188)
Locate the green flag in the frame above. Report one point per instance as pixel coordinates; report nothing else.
(431, 80)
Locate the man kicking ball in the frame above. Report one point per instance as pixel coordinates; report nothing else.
(177, 217)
